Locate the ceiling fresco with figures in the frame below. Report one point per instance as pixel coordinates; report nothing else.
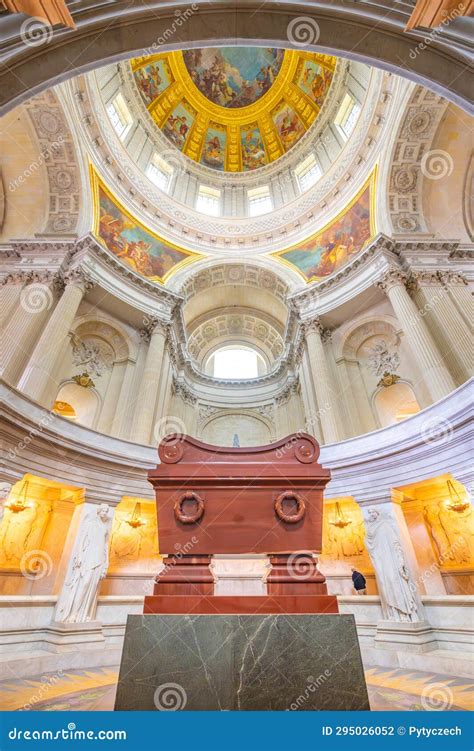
(234, 109)
(155, 258)
(340, 241)
(131, 242)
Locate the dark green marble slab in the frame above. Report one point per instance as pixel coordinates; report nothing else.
(250, 662)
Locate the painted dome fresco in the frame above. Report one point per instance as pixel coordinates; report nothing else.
(234, 109)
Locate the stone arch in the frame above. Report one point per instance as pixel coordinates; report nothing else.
(353, 333)
(395, 402)
(100, 327)
(85, 402)
(223, 423)
(377, 34)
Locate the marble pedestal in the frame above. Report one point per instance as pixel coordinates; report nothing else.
(241, 662)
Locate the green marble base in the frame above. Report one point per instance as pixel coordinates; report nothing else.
(250, 662)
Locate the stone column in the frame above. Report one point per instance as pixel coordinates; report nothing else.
(325, 395)
(119, 422)
(164, 396)
(35, 297)
(458, 289)
(448, 326)
(39, 372)
(436, 375)
(10, 291)
(312, 422)
(109, 404)
(150, 385)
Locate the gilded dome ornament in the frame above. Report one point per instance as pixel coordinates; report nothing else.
(234, 109)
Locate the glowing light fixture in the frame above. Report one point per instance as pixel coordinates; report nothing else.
(135, 519)
(340, 520)
(21, 503)
(455, 502)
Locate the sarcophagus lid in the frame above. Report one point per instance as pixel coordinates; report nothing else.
(220, 499)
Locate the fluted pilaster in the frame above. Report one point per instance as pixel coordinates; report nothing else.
(37, 378)
(325, 395)
(448, 326)
(436, 375)
(149, 388)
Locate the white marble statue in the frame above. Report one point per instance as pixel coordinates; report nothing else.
(77, 601)
(396, 587)
(5, 488)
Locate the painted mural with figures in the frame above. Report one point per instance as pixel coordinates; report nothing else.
(234, 108)
(338, 242)
(233, 76)
(152, 80)
(137, 247)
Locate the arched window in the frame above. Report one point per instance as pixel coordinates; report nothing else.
(395, 403)
(76, 403)
(235, 362)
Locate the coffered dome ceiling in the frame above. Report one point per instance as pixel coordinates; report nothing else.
(234, 109)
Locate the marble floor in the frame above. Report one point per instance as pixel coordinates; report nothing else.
(92, 690)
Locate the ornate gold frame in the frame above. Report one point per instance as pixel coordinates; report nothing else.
(182, 90)
(371, 182)
(97, 183)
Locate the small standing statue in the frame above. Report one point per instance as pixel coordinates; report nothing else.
(77, 601)
(235, 441)
(397, 590)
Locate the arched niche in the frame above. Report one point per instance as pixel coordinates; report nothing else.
(251, 429)
(85, 403)
(395, 403)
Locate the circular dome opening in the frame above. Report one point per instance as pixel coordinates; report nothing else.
(235, 362)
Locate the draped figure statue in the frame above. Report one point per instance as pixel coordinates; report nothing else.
(396, 588)
(77, 601)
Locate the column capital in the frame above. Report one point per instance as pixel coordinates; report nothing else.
(417, 279)
(78, 277)
(452, 279)
(45, 276)
(314, 325)
(393, 277)
(152, 326)
(182, 390)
